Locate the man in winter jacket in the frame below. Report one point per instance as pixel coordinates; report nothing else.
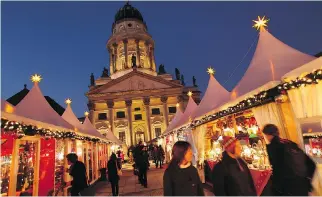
(231, 176)
(292, 168)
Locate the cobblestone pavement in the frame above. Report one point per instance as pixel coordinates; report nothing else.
(129, 184)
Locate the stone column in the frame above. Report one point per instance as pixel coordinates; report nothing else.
(164, 100)
(129, 118)
(110, 105)
(110, 51)
(115, 56)
(152, 59)
(180, 101)
(91, 108)
(138, 59)
(147, 50)
(125, 41)
(146, 102)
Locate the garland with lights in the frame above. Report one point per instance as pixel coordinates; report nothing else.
(309, 79)
(259, 99)
(21, 130)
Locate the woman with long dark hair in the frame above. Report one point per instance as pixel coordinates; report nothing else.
(112, 168)
(181, 178)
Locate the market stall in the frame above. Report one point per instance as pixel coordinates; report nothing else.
(33, 136)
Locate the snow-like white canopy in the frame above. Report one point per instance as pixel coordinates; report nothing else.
(90, 129)
(186, 116)
(304, 70)
(272, 59)
(174, 121)
(113, 138)
(71, 118)
(214, 96)
(35, 106)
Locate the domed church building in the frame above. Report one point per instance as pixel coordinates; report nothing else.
(135, 100)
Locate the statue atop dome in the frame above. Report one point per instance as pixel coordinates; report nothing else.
(92, 80)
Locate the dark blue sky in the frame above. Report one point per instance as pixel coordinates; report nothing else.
(65, 41)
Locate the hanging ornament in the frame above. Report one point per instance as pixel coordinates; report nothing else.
(20, 134)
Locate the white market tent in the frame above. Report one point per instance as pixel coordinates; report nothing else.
(71, 118)
(272, 59)
(186, 116)
(34, 106)
(87, 125)
(174, 121)
(214, 96)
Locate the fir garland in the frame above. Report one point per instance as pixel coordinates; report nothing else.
(22, 129)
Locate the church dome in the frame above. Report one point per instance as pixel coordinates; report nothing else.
(127, 12)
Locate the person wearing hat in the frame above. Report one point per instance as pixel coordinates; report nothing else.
(231, 176)
(292, 168)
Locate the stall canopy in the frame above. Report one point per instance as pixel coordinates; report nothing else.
(87, 125)
(174, 121)
(272, 59)
(214, 96)
(187, 115)
(70, 117)
(304, 70)
(35, 106)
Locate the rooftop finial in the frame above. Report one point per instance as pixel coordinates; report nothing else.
(25, 86)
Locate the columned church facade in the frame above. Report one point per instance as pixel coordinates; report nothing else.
(134, 101)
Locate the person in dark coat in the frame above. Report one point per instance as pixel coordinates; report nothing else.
(143, 165)
(113, 166)
(231, 176)
(160, 156)
(181, 178)
(283, 181)
(78, 171)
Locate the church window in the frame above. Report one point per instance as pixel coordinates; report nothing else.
(102, 116)
(138, 117)
(157, 132)
(120, 114)
(172, 110)
(122, 136)
(155, 111)
(137, 109)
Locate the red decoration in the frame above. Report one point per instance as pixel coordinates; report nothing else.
(47, 166)
(7, 143)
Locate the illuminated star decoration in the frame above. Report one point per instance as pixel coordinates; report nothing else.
(211, 71)
(86, 113)
(177, 105)
(36, 78)
(190, 93)
(68, 101)
(260, 23)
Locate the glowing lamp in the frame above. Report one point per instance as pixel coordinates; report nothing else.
(260, 22)
(177, 105)
(189, 94)
(68, 101)
(86, 113)
(211, 71)
(36, 78)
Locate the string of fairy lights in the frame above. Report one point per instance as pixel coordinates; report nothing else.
(21, 130)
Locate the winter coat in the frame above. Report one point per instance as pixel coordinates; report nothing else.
(231, 177)
(182, 182)
(78, 172)
(281, 183)
(112, 171)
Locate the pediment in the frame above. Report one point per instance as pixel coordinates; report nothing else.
(136, 81)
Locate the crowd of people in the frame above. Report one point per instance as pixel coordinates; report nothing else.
(292, 169)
